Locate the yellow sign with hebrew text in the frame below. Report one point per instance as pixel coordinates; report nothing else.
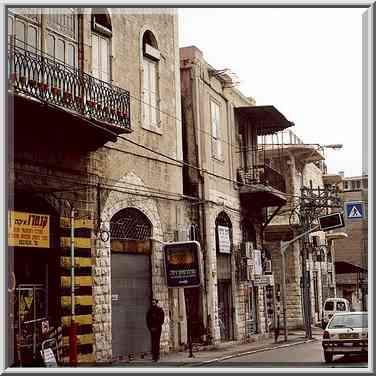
(28, 230)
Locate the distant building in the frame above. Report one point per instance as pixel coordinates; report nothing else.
(352, 253)
(303, 166)
(235, 184)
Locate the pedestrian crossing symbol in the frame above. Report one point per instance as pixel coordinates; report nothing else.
(354, 210)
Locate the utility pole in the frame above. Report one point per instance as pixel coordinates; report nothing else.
(284, 246)
(313, 203)
(73, 328)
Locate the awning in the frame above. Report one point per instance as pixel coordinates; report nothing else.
(342, 267)
(266, 119)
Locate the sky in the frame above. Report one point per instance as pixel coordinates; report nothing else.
(305, 62)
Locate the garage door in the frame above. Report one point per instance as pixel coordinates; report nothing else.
(131, 297)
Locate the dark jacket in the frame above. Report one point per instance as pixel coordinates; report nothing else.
(155, 317)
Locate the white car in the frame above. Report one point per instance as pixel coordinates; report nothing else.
(346, 333)
(332, 306)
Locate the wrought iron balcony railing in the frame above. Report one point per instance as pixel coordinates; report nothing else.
(262, 174)
(42, 77)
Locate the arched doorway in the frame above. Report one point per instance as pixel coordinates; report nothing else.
(223, 234)
(130, 281)
(251, 292)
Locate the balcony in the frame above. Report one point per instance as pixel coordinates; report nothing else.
(263, 185)
(36, 78)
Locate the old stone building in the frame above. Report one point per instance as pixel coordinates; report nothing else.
(303, 166)
(94, 117)
(352, 253)
(230, 186)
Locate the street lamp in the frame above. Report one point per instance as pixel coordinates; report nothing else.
(333, 146)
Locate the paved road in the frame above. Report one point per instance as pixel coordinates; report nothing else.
(303, 355)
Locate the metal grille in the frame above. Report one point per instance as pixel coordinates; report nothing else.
(130, 223)
(44, 78)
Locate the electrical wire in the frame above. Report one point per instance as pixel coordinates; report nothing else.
(178, 162)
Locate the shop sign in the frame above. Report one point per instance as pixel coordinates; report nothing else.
(28, 230)
(224, 242)
(264, 280)
(258, 263)
(182, 264)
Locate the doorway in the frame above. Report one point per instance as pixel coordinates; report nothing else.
(130, 282)
(225, 309)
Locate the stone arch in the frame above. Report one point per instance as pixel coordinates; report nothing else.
(143, 30)
(103, 17)
(117, 201)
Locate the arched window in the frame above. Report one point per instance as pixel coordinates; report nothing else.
(130, 224)
(150, 81)
(101, 33)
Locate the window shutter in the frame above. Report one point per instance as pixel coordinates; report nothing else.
(32, 38)
(146, 96)
(150, 94)
(153, 94)
(51, 45)
(104, 59)
(60, 50)
(20, 34)
(95, 56)
(216, 142)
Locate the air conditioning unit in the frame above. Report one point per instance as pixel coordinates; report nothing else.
(268, 266)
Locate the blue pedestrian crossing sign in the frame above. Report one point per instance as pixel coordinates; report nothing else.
(354, 209)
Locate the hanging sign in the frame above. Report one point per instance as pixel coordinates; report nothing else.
(258, 262)
(224, 242)
(182, 264)
(263, 280)
(28, 230)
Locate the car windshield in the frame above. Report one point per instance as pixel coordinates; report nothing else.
(349, 321)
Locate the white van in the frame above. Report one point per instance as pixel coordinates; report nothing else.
(332, 306)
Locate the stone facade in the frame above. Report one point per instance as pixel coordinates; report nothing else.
(301, 170)
(136, 177)
(142, 171)
(214, 182)
(354, 249)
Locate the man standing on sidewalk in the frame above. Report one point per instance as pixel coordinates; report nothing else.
(154, 321)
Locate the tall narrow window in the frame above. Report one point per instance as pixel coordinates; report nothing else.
(62, 36)
(24, 25)
(216, 130)
(100, 62)
(100, 44)
(150, 87)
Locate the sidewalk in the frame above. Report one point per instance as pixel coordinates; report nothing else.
(209, 354)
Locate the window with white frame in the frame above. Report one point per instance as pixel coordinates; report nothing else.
(25, 29)
(100, 46)
(150, 82)
(62, 36)
(216, 130)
